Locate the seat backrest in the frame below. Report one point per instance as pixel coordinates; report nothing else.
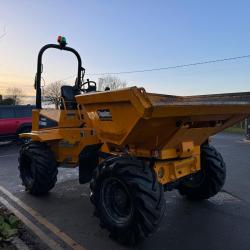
(68, 94)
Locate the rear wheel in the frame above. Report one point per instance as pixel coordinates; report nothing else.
(128, 199)
(38, 168)
(209, 180)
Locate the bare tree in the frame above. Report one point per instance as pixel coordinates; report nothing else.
(52, 93)
(111, 82)
(15, 94)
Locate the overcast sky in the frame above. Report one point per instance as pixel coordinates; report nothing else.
(118, 35)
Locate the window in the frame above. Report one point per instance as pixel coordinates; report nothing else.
(23, 111)
(7, 112)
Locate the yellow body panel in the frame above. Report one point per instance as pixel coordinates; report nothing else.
(170, 171)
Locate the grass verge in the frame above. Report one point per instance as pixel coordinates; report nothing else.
(235, 130)
(9, 228)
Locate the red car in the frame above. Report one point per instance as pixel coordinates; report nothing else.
(14, 120)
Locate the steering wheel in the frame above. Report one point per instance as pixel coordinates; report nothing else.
(91, 86)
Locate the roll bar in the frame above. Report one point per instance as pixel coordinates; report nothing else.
(61, 46)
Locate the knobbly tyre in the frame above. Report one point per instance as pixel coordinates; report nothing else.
(130, 145)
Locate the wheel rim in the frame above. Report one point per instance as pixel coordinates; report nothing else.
(25, 140)
(116, 200)
(26, 171)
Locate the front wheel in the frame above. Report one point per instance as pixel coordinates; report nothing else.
(38, 168)
(209, 180)
(128, 199)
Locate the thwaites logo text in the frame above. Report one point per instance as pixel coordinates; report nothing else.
(104, 114)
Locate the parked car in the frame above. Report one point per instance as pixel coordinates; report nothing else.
(14, 120)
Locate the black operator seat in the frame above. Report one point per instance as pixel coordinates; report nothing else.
(68, 94)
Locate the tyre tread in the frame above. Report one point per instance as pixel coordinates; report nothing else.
(44, 164)
(214, 170)
(147, 194)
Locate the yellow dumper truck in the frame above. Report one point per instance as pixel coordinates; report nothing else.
(130, 145)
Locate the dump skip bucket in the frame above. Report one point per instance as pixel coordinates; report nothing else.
(150, 121)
